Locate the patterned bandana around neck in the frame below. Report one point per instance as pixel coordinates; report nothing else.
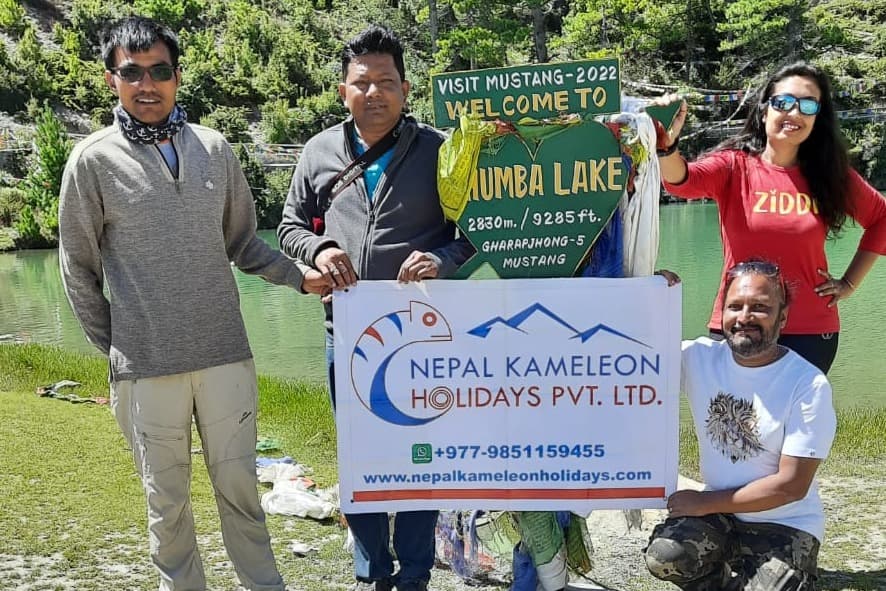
(142, 133)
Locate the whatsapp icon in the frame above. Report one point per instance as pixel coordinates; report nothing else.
(422, 453)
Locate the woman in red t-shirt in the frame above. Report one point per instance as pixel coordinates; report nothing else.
(783, 186)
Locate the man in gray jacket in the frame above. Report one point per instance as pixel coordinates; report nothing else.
(386, 223)
(156, 209)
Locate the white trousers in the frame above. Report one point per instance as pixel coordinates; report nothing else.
(155, 417)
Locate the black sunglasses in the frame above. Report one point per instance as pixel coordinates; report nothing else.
(133, 73)
(786, 102)
(764, 268)
(757, 267)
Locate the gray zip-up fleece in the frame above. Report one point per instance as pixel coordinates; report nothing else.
(164, 247)
(403, 215)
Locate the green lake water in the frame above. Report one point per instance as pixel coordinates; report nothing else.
(286, 329)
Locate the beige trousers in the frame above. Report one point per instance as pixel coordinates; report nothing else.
(155, 417)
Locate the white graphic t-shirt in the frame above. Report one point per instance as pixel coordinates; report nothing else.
(746, 418)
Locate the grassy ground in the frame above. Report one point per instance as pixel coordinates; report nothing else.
(72, 511)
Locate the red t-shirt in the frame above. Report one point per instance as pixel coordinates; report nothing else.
(766, 213)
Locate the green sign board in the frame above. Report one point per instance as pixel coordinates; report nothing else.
(535, 207)
(664, 114)
(587, 87)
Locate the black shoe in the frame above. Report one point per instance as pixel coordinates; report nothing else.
(380, 585)
(412, 586)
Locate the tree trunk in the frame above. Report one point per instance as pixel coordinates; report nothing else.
(795, 33)
(432, 21)
(690, 45)
(539, 34)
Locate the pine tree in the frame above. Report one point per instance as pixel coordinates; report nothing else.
(38, 225)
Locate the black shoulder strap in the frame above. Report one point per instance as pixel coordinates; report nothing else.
(353, 170)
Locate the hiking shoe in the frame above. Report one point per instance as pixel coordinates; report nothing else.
(380, 585)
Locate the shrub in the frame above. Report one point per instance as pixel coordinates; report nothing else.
(240, 67)
(79, 83)
(313, 114)
(269, 189)
(201, 88)
(29, 229)
(275, 195)
(230, 121)
(92, 92)
(282, 125)
(101, 117)
(38, 223)
(255, 176)
(868, 149)
(8, 238)
(291, 68)
(277, 122)
(13, 94)
(173, 13)
(91, 16)
(33, 65)
(12, 17)
(33, 110)
(248, 37)
(12, 200)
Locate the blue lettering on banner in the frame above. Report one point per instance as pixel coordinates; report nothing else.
(575, 366)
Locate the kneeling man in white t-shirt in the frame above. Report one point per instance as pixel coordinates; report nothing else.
(764, 421)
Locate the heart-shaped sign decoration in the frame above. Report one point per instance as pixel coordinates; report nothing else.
(537, 205)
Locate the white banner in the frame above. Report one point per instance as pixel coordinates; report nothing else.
(525, 394)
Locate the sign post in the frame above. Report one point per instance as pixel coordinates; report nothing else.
(540, 195)
(589, 87)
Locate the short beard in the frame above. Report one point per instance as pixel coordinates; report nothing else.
(747, 347)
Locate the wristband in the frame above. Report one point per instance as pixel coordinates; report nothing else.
(847, 282)
(669, 150)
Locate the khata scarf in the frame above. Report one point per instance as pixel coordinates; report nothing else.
(142, 133)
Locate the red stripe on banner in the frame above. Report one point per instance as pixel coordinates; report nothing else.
(653, 492)
(374, 334)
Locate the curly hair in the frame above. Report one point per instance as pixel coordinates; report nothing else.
(822, 157)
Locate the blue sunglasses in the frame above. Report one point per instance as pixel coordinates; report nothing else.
(786, 102)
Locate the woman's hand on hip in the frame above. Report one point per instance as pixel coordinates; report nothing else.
(836, 289)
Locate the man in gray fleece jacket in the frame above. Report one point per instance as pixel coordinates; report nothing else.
(386, 224)
(155, 210)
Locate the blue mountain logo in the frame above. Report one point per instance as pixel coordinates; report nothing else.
(589, 333)
(515, 321)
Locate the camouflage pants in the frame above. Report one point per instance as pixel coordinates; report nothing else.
(721, 553)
